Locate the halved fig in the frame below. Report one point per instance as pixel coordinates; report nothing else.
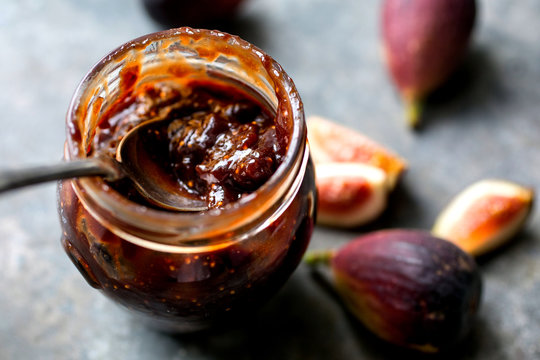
(485, 215)
(350, 194)
(331, 142)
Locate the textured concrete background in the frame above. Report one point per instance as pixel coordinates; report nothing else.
(485, 123)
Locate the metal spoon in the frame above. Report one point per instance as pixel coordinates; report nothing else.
(132, 161)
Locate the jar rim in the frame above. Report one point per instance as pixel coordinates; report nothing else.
(189, 228)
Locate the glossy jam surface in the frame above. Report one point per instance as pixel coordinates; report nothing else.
(212, 141)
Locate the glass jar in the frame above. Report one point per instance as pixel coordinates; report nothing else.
(188, 271)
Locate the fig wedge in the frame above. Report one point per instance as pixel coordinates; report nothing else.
(485, 215)
(424, 41)
(407, 287)
(331, 142)
(349, 194)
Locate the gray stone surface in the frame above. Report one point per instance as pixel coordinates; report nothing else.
(486, 123)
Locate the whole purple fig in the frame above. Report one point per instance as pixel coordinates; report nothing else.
(424, 41)
(407, 287)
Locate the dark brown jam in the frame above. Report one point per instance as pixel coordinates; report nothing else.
(215, 138)
(215, 141)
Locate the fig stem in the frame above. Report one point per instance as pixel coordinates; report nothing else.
(413, 113)
(317, 257)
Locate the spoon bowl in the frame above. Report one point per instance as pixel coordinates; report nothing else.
(150, 178)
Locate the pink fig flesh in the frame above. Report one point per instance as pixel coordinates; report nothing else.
(424, 41)
(408, 287)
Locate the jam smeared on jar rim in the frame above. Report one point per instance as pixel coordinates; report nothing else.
(216, 142)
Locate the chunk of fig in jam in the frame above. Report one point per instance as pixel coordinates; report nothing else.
(216, 141)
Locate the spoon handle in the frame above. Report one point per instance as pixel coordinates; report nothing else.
(13, 179)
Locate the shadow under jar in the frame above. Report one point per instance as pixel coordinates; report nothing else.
(189, 271)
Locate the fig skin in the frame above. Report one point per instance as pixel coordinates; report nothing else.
(408, 287)
(424, 41)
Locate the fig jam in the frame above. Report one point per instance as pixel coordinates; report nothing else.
(217, 141)
(213, 141)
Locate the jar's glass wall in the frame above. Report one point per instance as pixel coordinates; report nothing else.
(140, 258)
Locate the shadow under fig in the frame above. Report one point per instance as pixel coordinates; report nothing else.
(475, 83)
(524, 242)
(404, 210)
